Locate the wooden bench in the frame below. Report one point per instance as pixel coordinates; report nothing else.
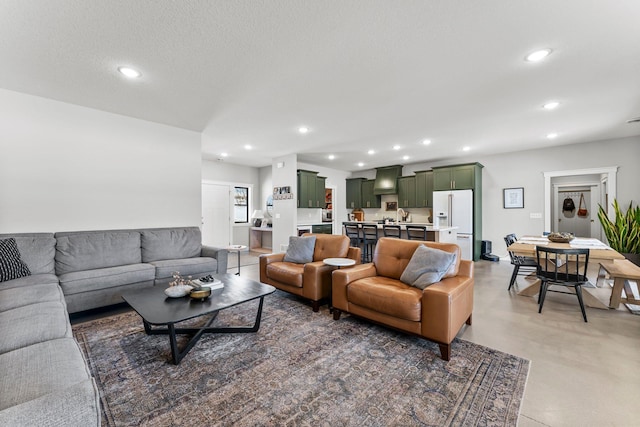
(621, 271)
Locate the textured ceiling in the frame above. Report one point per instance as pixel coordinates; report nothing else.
(361, 74)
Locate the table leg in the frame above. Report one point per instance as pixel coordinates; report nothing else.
(238, 272)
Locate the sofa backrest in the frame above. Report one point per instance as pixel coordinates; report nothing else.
(329, 246)
(392, 256)
(88, 250)
(170, 243)
(37, 250)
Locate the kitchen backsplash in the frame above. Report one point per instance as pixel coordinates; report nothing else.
(419, 215)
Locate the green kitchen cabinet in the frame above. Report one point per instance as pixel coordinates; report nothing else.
(320, 186)
(458, 177)
(307, 189)
(407, 192)
(354, 193)
(424, 189)
(369, 200)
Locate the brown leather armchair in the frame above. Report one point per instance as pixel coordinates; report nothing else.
(374, 291)
(312, 280)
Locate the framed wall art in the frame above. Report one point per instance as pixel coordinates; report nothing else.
(513, 198)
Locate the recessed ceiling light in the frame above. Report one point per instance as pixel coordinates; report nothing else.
(370, 152)
(552, 105)
(248, 147)
(466, 148)
(360, 164)
(552, 135)
(405, 157)
(426, 141)
(538, 55)
(331, 156)
(129, 72)
(303, 129)
(224, 154)
(396, 147)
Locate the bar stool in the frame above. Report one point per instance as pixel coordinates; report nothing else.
(369, 240)
(391, 231)
(352, 231)
(416, 232)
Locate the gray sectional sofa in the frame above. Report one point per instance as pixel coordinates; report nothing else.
(44, 379)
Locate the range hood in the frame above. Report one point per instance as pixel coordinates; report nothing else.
(387, 180)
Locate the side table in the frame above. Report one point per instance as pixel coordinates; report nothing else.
(238, 249)
(337, 262)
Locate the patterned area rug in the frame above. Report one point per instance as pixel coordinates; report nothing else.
(300, 369)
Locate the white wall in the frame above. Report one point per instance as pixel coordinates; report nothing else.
(285, 216)
(66, 167)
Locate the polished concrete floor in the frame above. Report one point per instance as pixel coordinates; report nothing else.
(582, 374)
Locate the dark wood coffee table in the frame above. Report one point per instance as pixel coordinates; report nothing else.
(160, 313)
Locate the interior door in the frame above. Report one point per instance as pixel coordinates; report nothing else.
(216, 215)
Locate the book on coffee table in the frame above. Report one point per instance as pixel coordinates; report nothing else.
(216, 284)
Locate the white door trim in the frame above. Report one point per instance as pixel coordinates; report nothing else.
(610, 189)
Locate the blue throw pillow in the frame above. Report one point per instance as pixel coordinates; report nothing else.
(11, 265)
(300, 249)
(427, 266)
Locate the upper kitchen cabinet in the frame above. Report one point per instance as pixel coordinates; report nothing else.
(354, 193)
(369, 199)
(407, 192)
(459, 177)
(321, 182)
(307, 189)
(424, 189)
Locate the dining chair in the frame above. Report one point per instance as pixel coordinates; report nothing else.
(562, 267)
(391, 231)
(416, 232)
(369, 240)
(522, 266)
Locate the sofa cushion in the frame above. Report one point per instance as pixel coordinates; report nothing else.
(76, 405)
(186, 267)
(300, 249)
(40, 369)
(34, 323)
(37, 250)
(389, 296)
(18, 297)
(427, 266)
(34, 279)
(288, 273)
(11, 264)
(88, 250)
(170, 243)
(102, 278)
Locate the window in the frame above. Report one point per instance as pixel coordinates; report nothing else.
(241, 205)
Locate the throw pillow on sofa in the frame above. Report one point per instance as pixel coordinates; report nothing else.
(300, 249)
(11, 265)
(427, 266)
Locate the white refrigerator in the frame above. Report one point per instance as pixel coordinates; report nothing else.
(455, 209)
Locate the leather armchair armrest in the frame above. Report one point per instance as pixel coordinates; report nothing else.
(266, 259)
(355, 254)
(316, 281)
(446, 306)
(220, 254)
(341, 279)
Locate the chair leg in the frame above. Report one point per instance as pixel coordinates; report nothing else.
(445, 351)
(516, 268)
(579, 294)
(315, 305)
(542, 295)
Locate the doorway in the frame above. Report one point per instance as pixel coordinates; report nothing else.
(216, 215)
(603, 178)
(570, 220)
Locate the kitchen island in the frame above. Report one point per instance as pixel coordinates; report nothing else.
(434, 234)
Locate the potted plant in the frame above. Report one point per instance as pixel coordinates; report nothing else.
(623, 234)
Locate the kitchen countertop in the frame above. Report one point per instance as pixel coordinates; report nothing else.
(314, 223)
(403, 225)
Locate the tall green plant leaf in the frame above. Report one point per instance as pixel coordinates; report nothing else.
(623, 234)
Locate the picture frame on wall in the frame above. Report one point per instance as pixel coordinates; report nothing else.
(392, 206)
(513, 198)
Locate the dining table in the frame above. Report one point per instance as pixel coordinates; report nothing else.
(598, 251)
